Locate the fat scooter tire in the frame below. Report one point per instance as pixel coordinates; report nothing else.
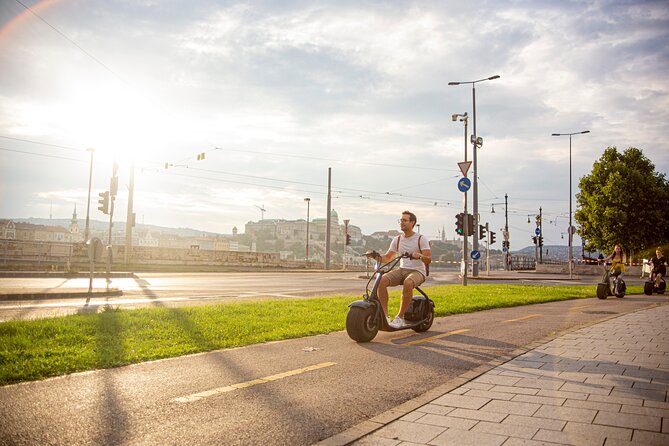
(662, 288)
(648, 288)
(361, 325)
(602, 290)
(620, 289)
(425, 326)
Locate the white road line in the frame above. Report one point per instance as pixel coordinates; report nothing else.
(254, 382)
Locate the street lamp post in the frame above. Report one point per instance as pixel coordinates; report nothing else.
(87, 230)
(306, 256)
(463, 117)
(570, 230)
(475, 144)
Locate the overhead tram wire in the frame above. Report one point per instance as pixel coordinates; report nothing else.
(336, 160)
(43, 143)
(96, 60)
(42, 155)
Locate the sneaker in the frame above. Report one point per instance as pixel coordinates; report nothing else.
(398, 322)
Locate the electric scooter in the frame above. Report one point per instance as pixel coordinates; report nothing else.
(366, 317)
(651, 287)
(608, 288)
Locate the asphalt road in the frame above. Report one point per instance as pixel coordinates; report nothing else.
(183, 289)
(293, 392)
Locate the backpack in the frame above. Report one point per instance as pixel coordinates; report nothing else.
(427, 266)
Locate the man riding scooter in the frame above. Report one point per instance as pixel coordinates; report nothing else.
(412, 271)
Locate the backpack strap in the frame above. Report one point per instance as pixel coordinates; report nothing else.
(398, 243)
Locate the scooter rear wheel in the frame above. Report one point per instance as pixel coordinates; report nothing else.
(648, 288)
(361, 325)
(425, 326)
(602, 290)
(663, 286)
(621, 288)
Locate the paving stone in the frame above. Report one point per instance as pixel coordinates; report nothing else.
(467, 438)
(405, 431)
(490, 394)
(561, 394)
(447, 421)
(648, 411)
(511, 407)
(377, 441)
(595, 431)
(478, 415)
(658, 404)
(515, 389)
(509, 430)
(525, 442)
(587, 388)
(566, 413)
(497, 380)
(467, 402)
(594, 405)
(539, 400)
(568, 438)
(478, 386)
(633, 421)
(650, 438)
(435, 409)
(541, 383)
(616, 399)
(654, 395)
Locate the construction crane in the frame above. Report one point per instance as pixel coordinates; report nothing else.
(262, 211)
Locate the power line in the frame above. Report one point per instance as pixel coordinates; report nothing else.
(71, 41)
(43, 143)
(42, 154)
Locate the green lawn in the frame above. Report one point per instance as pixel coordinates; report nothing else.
(43, 348)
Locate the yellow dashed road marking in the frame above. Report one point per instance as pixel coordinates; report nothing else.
(432, 338)
(530, 316)
(254, 382)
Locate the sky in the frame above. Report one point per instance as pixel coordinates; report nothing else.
(276, 93)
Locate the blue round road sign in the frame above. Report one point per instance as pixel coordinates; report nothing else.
(464, 184)
(476, 254)
(537, 231)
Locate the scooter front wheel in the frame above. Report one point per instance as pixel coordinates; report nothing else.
(602, 290)
(621, 288)
(361, 325)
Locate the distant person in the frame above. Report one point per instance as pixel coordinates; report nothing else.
(412, 271)
(617, 262)
(659, 266)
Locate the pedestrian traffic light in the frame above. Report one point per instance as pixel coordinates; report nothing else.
(104, 202)
(482, 231)
(492, 237)
(348, 239)
(459, 223)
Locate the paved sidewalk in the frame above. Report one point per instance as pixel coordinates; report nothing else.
(601, 385)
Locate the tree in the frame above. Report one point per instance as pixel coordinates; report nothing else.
(624, 201)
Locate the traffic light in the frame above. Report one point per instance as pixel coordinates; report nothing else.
(534, 239)
(113, 186)
(482, 231)
(470, 224)
(348, 239)
(541, 240)
(459, 223)
(492, 237)
(505, 244)
(104, 202)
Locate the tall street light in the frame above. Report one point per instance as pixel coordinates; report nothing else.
(571, 229)
(87, 230)
(476, 142)
(306, 256)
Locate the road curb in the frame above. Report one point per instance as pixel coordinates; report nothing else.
(63, 295)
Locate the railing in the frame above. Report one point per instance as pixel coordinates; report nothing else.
(39, 253)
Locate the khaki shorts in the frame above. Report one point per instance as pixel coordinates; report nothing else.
(398, 276)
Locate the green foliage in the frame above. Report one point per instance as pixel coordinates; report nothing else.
(37, 349)
(624, 201)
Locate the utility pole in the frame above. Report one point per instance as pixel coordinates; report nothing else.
(541, 237)
(343, 258)
(87, 230)
(487, 250)
(328, 220)
(130, 218)
(113, 189)
(506, 232)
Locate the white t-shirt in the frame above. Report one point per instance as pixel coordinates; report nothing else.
(410, 245)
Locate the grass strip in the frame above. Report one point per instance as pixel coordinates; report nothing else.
(38, 349)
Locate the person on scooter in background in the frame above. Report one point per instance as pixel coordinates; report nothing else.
(659, 266)
(617, 263)
(412, 271)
